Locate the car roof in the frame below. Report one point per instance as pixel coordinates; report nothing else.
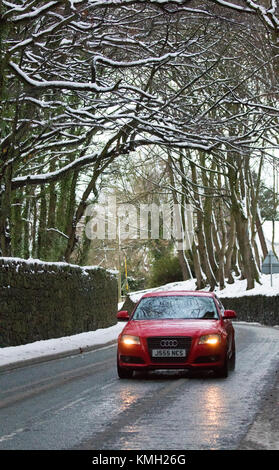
(180, 292)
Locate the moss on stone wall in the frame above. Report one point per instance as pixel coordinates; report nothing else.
(49, 300)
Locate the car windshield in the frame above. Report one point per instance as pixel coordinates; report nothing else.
(176, 307)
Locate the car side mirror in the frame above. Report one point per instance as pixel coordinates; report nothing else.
(123, 315)
(229, 314)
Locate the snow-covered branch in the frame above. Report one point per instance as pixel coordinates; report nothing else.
(59, 84)
(45, 178)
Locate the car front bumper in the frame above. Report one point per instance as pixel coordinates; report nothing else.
(199, 356)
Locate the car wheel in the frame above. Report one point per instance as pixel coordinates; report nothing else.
(233, 357)
(123, 372)
(223, 372)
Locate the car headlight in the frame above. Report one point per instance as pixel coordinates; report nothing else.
(210, 339)
(130, 340)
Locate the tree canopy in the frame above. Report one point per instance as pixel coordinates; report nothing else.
(87, 83)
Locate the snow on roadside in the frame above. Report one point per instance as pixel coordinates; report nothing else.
(238, 289)
(12, 354)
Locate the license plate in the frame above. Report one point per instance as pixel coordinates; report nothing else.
(168, 352)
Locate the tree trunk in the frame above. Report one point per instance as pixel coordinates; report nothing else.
(5, 212)
(230, 251)
(261, 235)
(78, 215)
(180, 251)
(202, 247)
(208, 183)
(41, 250)
(201, 282)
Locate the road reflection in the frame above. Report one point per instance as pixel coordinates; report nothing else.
(213, 415)
(127, 397)
(196, 407)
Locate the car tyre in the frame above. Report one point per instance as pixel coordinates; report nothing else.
(223, 372)
(123, 372)
(232, 359)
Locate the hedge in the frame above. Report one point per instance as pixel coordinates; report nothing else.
(251, 308)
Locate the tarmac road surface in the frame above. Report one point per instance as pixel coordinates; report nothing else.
(79, 403)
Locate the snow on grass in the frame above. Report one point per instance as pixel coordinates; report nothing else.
(238, 289)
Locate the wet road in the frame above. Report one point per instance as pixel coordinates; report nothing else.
(79, 402)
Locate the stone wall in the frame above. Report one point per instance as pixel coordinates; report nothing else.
(253, 308)
(41, 300)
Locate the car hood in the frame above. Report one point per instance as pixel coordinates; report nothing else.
(145, 328)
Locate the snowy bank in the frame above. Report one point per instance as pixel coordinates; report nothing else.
(56, 346)
(238, 289)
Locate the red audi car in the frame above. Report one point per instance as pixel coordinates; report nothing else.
(177, 330)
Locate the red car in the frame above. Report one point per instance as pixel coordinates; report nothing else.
(177, 330)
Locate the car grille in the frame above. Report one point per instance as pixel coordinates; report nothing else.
(183, 342)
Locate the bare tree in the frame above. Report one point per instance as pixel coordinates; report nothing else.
(85, 82)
